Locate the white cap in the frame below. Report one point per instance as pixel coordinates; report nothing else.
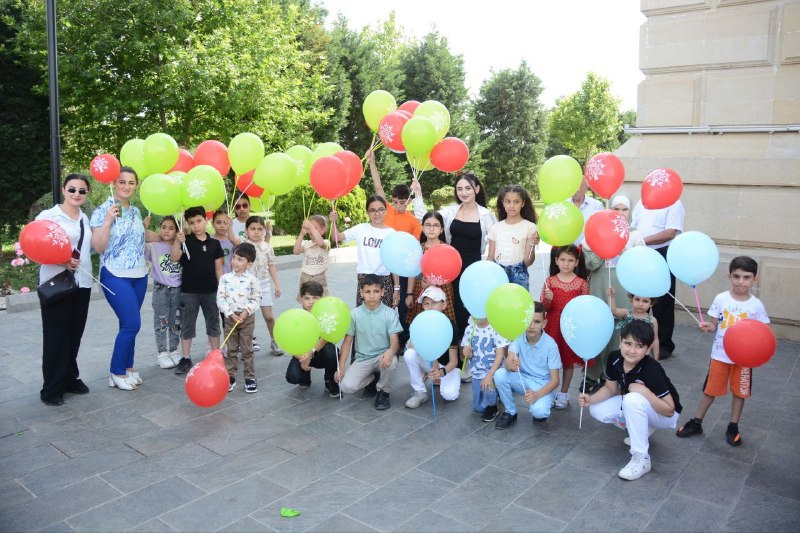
(434, 293)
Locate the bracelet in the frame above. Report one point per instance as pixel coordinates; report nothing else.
(444, 370)
(397, 288)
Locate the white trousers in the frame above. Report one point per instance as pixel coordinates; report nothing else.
(449, 386)
(639, 416)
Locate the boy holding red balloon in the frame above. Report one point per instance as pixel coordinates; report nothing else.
(728, 308)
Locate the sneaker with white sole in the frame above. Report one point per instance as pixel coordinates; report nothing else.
(650, 431)
(561, 400)
(466, 374)
(250, 386)
(165, 361)
(231, 383)
(276, 350)
(638, 466)
(176, 356)
(417, 399)
(256, 348)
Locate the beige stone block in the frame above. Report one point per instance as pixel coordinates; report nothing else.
(779, 278)
(667, 101)
(712, 210)
(739, 97)
(660, 7)
(770, 216)
(790, 33)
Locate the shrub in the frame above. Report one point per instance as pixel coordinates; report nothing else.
(442, 197)
(288, 209)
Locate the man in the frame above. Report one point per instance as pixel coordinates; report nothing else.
(586, 204)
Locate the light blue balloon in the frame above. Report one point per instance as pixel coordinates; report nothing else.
(431, 333)
(401, 253)
(477, 283)
(643, 272)
(692, 257)
(587, 325)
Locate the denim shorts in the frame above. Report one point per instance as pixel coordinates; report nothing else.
(517, 273)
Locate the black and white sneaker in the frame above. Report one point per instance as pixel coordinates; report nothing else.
(232, 381)
(333, 388)
(489, 414)
(250, 386)
(184, 365)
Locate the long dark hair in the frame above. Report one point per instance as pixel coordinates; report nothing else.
(433, 214)
(574, 251)
(375, 198)
(472, 179)
(527, 212)
(80, 177)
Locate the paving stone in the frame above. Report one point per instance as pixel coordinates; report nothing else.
(383, 431)
(30, 460)
(58, 527)
(12, 494)
(79, 442)
(340, 523)
(752, 441)
(111, 415)
(432, 522)
(535, 456)
(783, 435)
(165, 439)
(332, 426)
(19, 442)
(10, 425)
(382, 466)
(246, 524)
(679, 513)
(465, 457)
(777, 473)
(603, 451)
(303, 470)
(231, 437)
(296, 440)
(712, 479)
(153, 526)
(757, 510)
(643, 495)
(516, 518)
(563, 491)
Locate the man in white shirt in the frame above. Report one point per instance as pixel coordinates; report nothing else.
(658, 227)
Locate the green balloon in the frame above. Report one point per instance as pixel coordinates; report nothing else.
(276, 173)
(377, 105)
(560, 224)
(296, 331)
(161, 195)
(323, 150)
(132, 155)
(333, 316)
(419, 137)
(509, 310)
(303, 157)
(160, 153)
(245, 152)
(559, 178)
(203, 186)
(419, 163)
(438, 114)
(263, 204)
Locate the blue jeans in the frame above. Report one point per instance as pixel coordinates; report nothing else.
(517, 273)
(481, 399)
(166, 317)
(507, 383)
(126, 303)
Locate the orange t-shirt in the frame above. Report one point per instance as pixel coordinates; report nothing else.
(403, 221)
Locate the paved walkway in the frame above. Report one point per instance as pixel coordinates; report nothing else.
(149, 460)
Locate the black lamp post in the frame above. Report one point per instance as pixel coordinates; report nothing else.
(55, 127)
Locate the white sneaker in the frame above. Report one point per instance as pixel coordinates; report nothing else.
(165, 361)
(638, 466)
(561, 400)
(417, 399)
(650, 431)
(466, 374)
(176, 356)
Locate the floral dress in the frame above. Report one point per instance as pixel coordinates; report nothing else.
(563, 292)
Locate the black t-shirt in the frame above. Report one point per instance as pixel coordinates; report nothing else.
(199, 270)
(445, 357)
(647, 372)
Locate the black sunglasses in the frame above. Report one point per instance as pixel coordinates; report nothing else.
(73, 190)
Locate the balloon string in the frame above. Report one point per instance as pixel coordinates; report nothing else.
(229, 334)
(685, 309)
(303, 193)
(519, 371)
(609, 272)
(697, 301)
(179, 216)
(585, 368)
(97, 280)
(240, 196)
(471, 334)
(433, 394)
(337, 369)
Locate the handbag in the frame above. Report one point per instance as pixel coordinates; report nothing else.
(59, 286)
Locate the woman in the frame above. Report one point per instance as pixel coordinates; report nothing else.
(119, 237)
(63, 321)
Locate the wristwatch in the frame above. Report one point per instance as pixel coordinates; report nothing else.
(444, 370)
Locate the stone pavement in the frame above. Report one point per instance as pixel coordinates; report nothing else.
(149, 460)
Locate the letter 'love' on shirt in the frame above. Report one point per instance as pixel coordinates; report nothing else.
(368, 240)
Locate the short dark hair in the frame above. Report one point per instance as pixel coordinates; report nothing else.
(129, 170)
(401, 191)
(312, 288)
(254, 220)
(217, 214)
(370, 279)
(81, 177)
(196, 211)
(639, 330)
(245, 250)
(743, 262)
(243, 196)
(538, 307)
(375, 198)
(170, 218)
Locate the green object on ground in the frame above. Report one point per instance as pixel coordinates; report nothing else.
(289, 513)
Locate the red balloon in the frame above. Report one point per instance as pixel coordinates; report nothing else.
(209, 215)
(213, 153)
(441, 264)
(450, 154)
(45, 242)
(605, 174)
(409, 105)
(607, 233)
(749, 342)
(352, 164)
(389, 131)
(245, 184)
(185, 161)
(405, 113)
(661, 188)
(207, 381)
(329, 177)
(105, 168)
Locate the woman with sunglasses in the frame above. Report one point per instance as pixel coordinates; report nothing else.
(63, 321)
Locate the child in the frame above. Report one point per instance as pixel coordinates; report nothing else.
(432, 235)
(222, 225)
(486, 350)
(202, 268)
(512, 240)
(531, 369)
(637, 396)
(368, 238)
(375, 328)
(445, 369)
(238, 296)
(641, 309)
(728, 308)
(315, 259)
(166, 293)
(241, 209)
(567, 280)
(322, 356)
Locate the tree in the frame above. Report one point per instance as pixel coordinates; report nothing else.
(625, 118)
(512, 127)
(587, 120)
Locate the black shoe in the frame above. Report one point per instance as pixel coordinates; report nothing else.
(690, 428)
(53, 400)
(372, 389)
(250, 386)
(382, 401)
(333, 388)
(593, 386)
(539, 420)
(77, 387)
(184, 365)
(232, 383)
(732, 435)
(489, 414)
(664, 354)
(505, 420)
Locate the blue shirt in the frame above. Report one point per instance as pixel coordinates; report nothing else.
(124, 255)
(372, 330)
(539, 359)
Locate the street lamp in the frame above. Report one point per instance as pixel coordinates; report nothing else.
(55, 127)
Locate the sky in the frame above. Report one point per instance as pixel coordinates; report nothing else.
(561, 40)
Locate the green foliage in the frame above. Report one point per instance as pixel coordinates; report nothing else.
(289, 208)
(588, 120)
(442, 196)
(511, 121)
(625, 118)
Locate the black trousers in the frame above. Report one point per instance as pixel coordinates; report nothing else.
(664, 312)
(62, 328)
(402, 311)
(325, 358)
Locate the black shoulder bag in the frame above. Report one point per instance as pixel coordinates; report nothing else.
(61, 285)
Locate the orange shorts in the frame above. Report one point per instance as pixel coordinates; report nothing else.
(720, 374)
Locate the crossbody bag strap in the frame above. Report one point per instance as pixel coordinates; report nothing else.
(80, 240)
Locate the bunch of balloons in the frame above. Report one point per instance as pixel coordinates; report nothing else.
(418, 129)
(561, 222)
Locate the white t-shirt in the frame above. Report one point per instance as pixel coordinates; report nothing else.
(589, 207)
(368, 243)
(73, 229)
(651, 221)
(509, 241)
(239, 228)
(315, 258)
(729, 311)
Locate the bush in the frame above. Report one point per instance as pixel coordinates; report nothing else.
(288, 209)
(442, 197)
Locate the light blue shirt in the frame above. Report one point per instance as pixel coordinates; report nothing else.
(124, 255)
(372, 329)
(539, 359)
